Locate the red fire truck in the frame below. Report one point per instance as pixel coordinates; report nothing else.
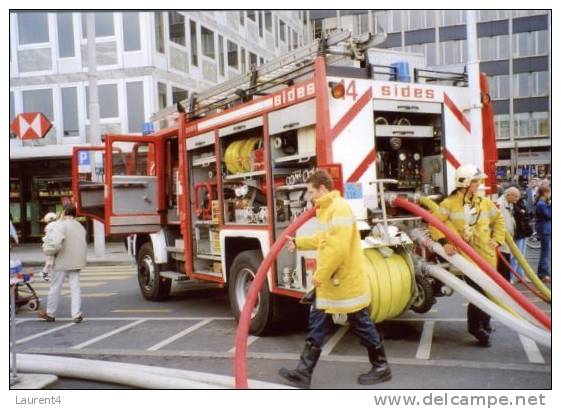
(205, 196)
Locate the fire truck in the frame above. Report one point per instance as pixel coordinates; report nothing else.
(206, 195)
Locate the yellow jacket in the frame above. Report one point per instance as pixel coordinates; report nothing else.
(477, 221)
(339, 256)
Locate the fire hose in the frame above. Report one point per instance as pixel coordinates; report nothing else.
(240, 359)
(535, 312)
(520, 278)
(432, 206)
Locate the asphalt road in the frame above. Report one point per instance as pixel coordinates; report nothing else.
(194, 330)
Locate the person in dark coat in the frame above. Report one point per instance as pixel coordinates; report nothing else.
(543, 228)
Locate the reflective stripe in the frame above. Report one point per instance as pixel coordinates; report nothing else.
(444, 211)
(322, 303)
(463, 216)
(457, 216)
(342, 221)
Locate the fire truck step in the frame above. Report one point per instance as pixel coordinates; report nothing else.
(174, 275)
(208, 257)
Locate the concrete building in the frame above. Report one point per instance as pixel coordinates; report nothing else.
(145, 60)
(514, 51)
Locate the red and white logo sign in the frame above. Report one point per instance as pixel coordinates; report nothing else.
(31, 125)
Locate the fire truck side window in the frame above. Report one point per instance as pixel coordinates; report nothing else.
(133, 159)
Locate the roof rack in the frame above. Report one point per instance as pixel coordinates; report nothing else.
(278, 71)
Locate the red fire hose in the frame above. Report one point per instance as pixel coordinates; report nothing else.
(480, 261)
(519, 277)
(240, 359)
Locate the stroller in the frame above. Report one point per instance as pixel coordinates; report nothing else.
(25, 295)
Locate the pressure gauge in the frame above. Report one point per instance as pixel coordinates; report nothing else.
(402, 156)
(416, 157)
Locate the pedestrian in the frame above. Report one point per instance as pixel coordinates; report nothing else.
(13, 232)
(522, 230)
(543, 228)
(340, 283)
(66, 241)
(54, 235)
(478, 221)
(531, 195)
(506, 206)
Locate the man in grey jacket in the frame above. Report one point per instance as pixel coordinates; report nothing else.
(66, 241)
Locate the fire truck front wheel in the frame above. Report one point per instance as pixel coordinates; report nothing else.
(152, 286)
(242, 273)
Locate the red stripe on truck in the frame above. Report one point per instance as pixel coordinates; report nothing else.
(362, 167)
(457, 113)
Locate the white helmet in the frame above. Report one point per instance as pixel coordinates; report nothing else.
(465, 174)
(50, 217)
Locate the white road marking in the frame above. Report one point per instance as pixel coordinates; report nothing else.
(425, 344)
(532, 351)
(40, 334)
(66, 285)
(250, 340)
(181, 334)
(144, 310)
(334, 340)
(107, 334)
(138, 318)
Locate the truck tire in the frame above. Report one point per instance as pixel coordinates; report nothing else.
(424, 299)
(241, 276)
(152, 286)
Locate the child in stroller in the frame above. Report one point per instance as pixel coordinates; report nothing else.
(24, 294)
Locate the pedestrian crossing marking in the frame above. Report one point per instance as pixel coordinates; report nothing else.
(66, 285)
(104, 277)
(94, 295)
(152, 310)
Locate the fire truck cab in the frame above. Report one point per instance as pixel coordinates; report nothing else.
(206, 196)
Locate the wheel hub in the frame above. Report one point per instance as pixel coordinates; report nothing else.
(147, 272)
(243, 282)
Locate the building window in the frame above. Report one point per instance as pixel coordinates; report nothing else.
(207, 40)
(162, 96)
(502, 126)
(269, 21)
(39, 100)
(494, 48)
(131, 31)
(431, 54)
(108, 101)
(486, 15)
(194, 44)
(261, 61)
(294, 39)
(177, 27)
(159, 29)
(260, 16)
(69, 98)
(396, 20)
(531, 43)
(453, 52)
(135, 105)
(178, 95)
(65, 30)
(531, 124)
(534, 84)
(252, 60)
(242, 18)
(104, 25)
(12, 113)
(276, 32)
(232, 55)
(453, 17)
(416, 19)
(282, 29)
(243, 60)
(251, 15)
(221, 55)
(33, 28)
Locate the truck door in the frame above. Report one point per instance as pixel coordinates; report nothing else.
(88, 181)
(135, 184)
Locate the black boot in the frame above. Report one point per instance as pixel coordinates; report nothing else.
(301, 377)
(380, 371)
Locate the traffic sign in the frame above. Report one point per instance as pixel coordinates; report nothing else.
(31, 125)
(84, 163)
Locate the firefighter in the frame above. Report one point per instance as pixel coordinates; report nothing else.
(480, 223)
(340, 282)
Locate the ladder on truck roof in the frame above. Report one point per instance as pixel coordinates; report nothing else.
(280, 70)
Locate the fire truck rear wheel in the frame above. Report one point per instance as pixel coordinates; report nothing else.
(424, 299)
(242, 273)
(152, 286)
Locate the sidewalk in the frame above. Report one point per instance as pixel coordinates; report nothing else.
(31, 255)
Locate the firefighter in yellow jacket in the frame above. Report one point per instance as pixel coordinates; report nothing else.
(481, 224)
(340, 282)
